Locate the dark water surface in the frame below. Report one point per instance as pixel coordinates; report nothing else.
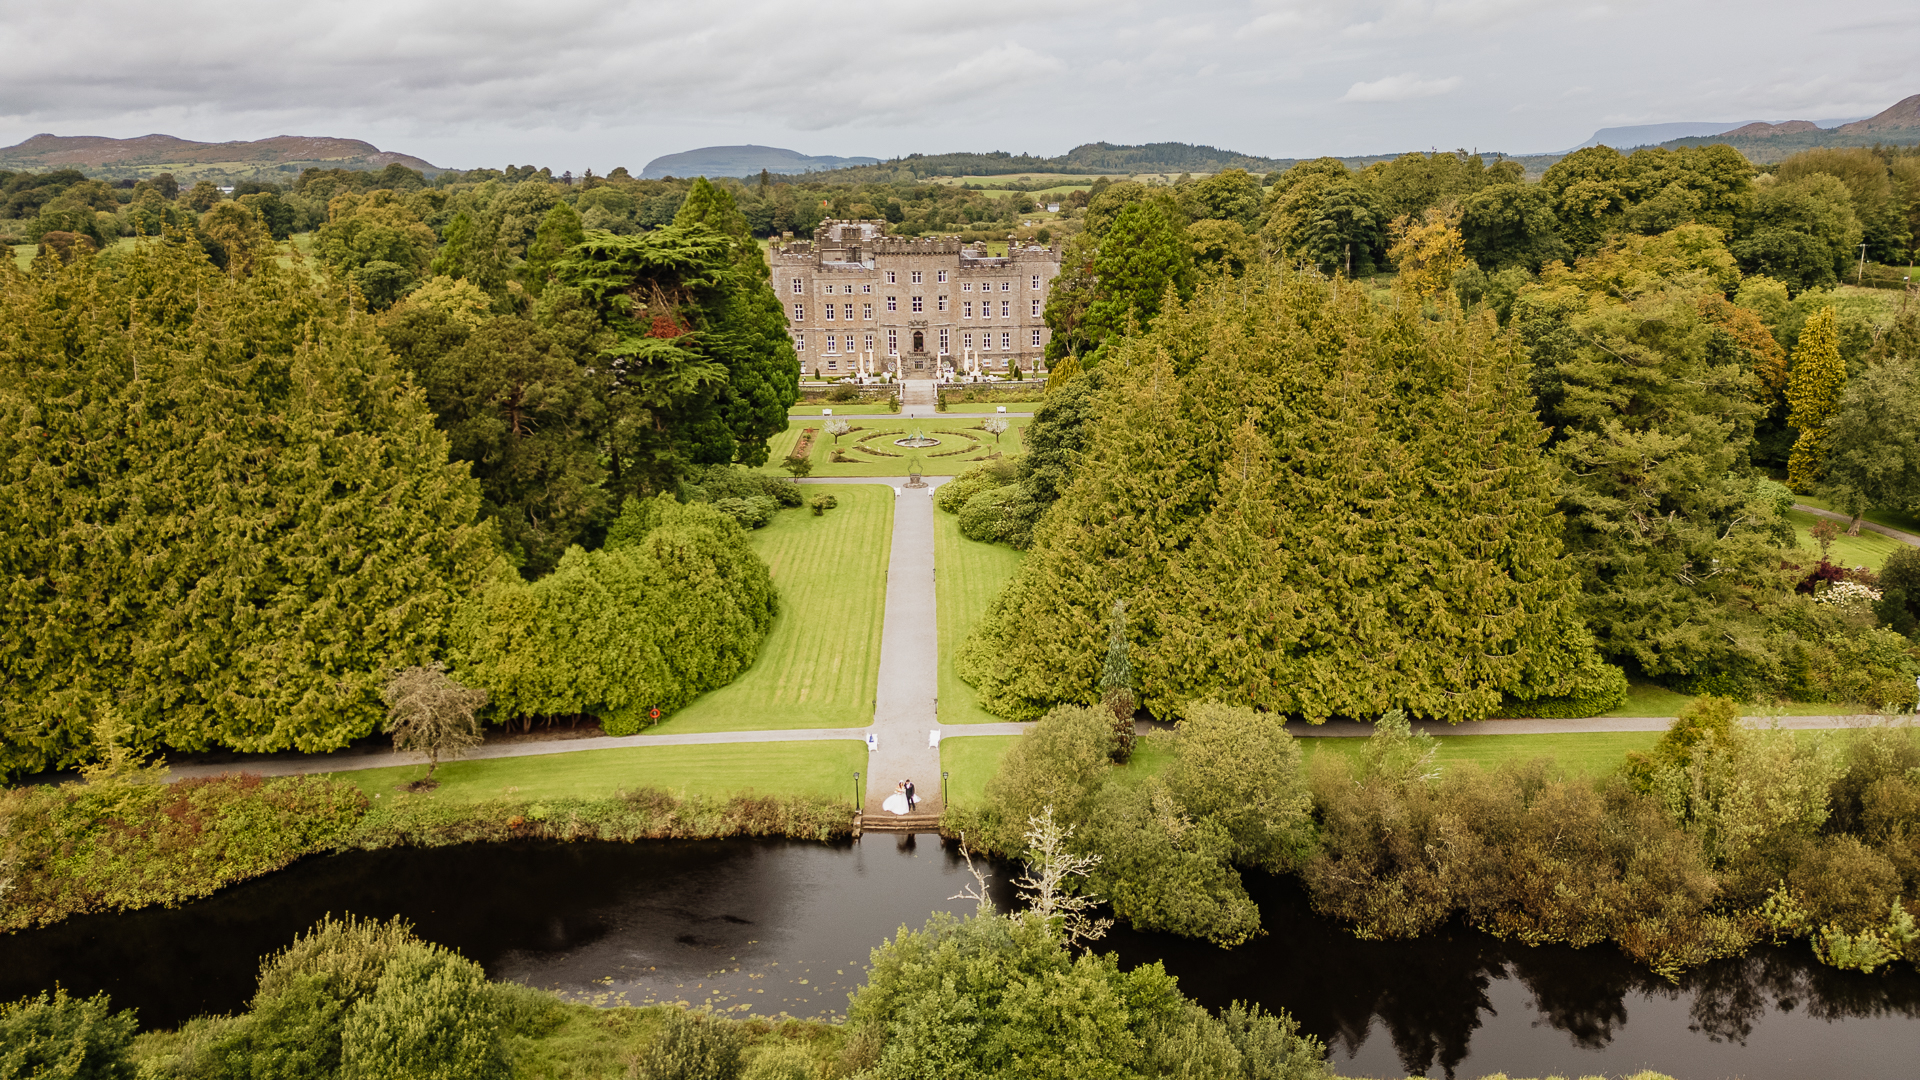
(773, 926)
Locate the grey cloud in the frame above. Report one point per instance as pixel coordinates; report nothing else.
(599, 82)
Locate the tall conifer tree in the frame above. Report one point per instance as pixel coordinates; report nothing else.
(1814, 389)
(224, 513)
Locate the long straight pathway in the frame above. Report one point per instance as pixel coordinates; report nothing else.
(904, 715)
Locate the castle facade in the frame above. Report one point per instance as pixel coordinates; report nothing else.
(860, 302)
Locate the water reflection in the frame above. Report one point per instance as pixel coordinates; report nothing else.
(1464, 1003)
(770, 927)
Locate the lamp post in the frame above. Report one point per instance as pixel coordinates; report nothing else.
(856, 791)
(943, 789)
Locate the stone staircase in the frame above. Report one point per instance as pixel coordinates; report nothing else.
(922, 821)
(918, 393)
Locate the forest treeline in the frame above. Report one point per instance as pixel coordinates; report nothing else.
(238, 495)
(1720, 838)
(1519, 475)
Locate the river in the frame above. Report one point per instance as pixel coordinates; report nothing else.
(777, 926)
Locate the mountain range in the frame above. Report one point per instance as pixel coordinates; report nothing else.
(746, 160)
(148, 154)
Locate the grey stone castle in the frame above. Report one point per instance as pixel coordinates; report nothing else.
(860, 302)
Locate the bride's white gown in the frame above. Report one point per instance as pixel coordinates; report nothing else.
(896, 803)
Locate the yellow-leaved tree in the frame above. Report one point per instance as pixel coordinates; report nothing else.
(1429, 252)
(1814, 388)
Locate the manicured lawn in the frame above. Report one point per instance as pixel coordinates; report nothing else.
(968, 763)
(1012, 407)
(1646, 699)
(879, 464)
(23, 255)
(968, 575)
(854, 409)
(1892, 519)
(820, 664)
(1869, 549)
(1587, 754)
(822, 769)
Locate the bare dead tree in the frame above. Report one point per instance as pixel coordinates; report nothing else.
(1048, 884)
(429, 712)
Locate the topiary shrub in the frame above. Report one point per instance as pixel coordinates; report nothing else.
(752, 512)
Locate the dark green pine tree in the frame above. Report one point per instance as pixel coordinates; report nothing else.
(1486, 599)
(1231, 631)
(226, 514)
(1111, 536)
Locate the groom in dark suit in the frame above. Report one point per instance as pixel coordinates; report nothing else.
(911, 801)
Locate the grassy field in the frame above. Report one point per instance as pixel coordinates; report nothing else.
(819, 769)
(1594, 754)
(821, 662)
(1646, 699)
(1892, 519)
(968, 763)
(869, 465)
(1869, 549)
(968, 576)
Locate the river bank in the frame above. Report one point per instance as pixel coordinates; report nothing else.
(132, 842)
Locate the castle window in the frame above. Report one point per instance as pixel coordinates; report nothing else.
(799, 343)
(866, 311)
(798, 285)
(869, 342)
(1006, 342)
(830, 311)
(832, 364)
(966, 309)
(966, 342)
(1006, 309)
(799, 313)
(1036, 339)
(1006, 286)
(891, 280)
(893, 343)
(966, 286)
(943, 342)
(916, 277)
(833, 344)
(893, 303)
(1036, 309)
(866, 288)
(941, 304)
(1036, 282)
(941, 277)
(919, 304)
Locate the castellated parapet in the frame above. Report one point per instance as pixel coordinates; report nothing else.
(860, 301)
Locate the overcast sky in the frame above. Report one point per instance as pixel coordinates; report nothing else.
(594, 83)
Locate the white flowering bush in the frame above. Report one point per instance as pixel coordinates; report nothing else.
(1848, 594)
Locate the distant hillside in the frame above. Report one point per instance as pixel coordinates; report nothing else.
(1089, 159)
(1649, 134)
(743, 161)
(1763, 143)
(103, 157)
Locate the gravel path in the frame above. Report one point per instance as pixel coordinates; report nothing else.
(1830, 515)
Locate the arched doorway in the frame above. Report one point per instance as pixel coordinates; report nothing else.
(919, 341)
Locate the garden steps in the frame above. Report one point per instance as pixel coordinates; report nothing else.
(923, 821)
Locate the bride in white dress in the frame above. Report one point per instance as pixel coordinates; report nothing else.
(897, 802)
